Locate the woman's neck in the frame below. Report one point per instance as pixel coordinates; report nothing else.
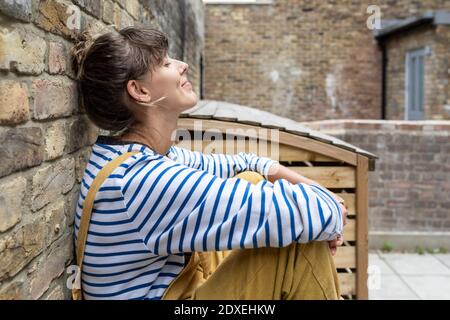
(156, 131)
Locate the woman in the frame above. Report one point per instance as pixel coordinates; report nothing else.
(174, 224)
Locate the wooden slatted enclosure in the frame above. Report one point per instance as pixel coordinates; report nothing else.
(220, 127)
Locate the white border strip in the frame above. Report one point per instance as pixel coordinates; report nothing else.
(238, 1)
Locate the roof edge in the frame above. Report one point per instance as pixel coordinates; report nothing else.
(436, 17)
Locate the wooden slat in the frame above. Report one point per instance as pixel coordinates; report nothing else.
(205, 111)
(306, 143)
(362, 226)
(289, 153)
(248, 115)
(226, 113)
(350, 230)
(199, 108)
(345, 257)
(233, 147)
(347, 282)
(280, 152)
(318, 147)
(329, 177)
(349, 199)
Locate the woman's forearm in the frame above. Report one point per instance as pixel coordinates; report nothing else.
(278, 171)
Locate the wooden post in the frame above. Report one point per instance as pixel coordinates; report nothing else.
(362, 227)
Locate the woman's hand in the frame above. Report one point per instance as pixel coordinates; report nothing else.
(343, 207)
(333, 244)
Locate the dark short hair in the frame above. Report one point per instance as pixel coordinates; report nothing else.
(105, 64)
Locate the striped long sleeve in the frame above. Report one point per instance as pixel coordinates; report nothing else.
(175, 208)
(221, 165)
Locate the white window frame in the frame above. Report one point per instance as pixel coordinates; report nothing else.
(422, 52)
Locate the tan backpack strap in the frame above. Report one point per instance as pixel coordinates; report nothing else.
(88, 205)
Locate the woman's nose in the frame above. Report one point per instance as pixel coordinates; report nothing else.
(184, 67)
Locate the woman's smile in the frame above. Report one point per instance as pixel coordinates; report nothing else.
(187, 85)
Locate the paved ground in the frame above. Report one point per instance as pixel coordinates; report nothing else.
(408, 276)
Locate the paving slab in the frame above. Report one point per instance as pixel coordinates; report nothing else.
(429, 286)
(444, 258)
(415, 264)
(392, 287)
(375, 261)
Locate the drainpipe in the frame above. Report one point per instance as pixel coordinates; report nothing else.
(382, 46)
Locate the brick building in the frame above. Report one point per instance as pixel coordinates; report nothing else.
(317, 60)
(416, 66)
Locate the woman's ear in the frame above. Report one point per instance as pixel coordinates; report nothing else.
(138, 92)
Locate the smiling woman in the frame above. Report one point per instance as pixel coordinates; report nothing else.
(146, 205)
(105, 65)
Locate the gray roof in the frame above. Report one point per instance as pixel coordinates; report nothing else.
(225, 111)
(389, 27)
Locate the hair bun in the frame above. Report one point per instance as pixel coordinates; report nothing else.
(79, 51)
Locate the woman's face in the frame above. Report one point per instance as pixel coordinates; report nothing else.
(170, 81)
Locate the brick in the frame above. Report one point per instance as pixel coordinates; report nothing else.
(121, 18)
(117, 15)
(53, 98)
(125, 20)
(71, 204)
(108, 11)
(56, 58)
(133, 8)
(13, 291)
(20, 148)
(14, 106)
(19, 9)
(82, 132)
(442, 214)
(94, 26)
(121, 3)
(56, 220)
(19, 248)
(55, 140)
(445, 205)
(23, 53)
(51, 181)
(12, 193)
(80, 163)
(54, 15)
(56, 294)
(50, 267)
(94, 7)
(425, 204)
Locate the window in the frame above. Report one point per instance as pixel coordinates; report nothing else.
(414, 84)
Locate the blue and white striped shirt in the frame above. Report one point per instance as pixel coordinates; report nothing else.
(154, 208)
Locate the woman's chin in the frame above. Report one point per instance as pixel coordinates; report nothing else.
(186, 101)
(193, 99)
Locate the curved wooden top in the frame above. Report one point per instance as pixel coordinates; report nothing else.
(229, 112)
